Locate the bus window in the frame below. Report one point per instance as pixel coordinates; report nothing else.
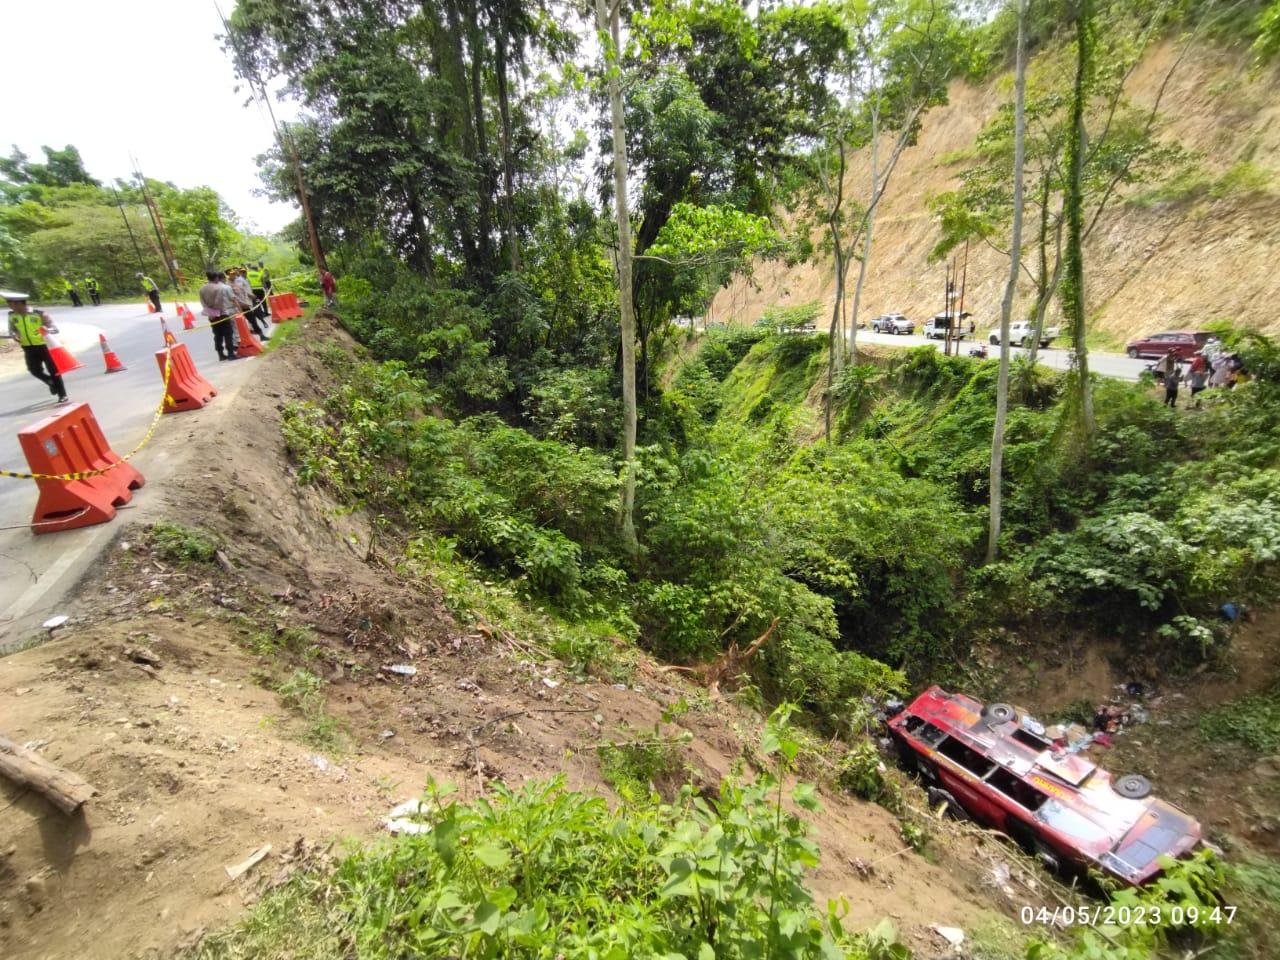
(967, 757)
(1027, 738)
(1019, 791)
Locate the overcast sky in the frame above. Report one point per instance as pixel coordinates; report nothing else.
(145, 77)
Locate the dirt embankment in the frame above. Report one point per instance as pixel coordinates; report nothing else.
(1155, 265)
(162, 693)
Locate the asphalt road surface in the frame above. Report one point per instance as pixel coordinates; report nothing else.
(123, 404)
(1114, 365)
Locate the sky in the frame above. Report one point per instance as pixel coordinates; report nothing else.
(141, 77)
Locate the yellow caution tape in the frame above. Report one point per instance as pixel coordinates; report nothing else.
(85, 474)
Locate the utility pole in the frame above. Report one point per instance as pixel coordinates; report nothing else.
(166, 250)
(132, 239)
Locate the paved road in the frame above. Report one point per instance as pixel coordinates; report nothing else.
(1114, 365)
(123, 404)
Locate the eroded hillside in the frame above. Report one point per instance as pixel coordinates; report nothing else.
(1202, 246)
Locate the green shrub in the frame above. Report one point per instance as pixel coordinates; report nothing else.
(1253, 721)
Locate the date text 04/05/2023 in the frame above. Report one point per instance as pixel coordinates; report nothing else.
(1124, 915)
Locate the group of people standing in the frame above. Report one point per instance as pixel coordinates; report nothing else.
(91, 287)
(1210, 366)
(238, 289)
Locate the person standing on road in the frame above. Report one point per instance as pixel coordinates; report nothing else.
(27, 327)
(218, 306)
(1171, 380)
(243, 294)
(330, 288)
(150, 289)
(94, 290)
(72, 293)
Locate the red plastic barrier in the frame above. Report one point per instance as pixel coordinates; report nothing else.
(72, 442)
(284, 306)
(250, 346)
(187, 389)
(277, 309)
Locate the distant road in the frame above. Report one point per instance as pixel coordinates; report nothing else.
(1114, 365)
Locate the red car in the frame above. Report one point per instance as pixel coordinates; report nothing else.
(999, 768)
(1185, 343)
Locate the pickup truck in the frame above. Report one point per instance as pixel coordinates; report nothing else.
(1020, 333)
(892, 323)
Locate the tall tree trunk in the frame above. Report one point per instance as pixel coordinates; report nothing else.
(484, 199)
(1074, 293)
(835, 335)
(1006, 305)
(454, 71)
(865, 258)
(607, 24)
(508, 165)
(1042, 275)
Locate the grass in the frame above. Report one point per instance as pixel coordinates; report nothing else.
(287, 923)
(180, 544)
(282, 333)
(1253, 721)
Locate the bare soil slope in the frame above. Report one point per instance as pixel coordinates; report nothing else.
(160, 693)
(1151, 266)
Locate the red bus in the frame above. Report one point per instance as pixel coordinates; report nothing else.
(999, 767)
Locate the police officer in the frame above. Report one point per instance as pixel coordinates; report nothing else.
(150, 289)
(72, 293)
(95, 291)
(24, 326)
(257, 282)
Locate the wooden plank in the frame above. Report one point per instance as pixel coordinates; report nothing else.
(27, 768)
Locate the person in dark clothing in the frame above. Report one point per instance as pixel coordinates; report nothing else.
(95, 290)
(25, 326)
(151, 289)
(219, 307)
(72, 293)
(1172, 377)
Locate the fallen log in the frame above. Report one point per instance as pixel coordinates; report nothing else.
(62, 788)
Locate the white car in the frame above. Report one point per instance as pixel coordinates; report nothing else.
(1021, 332)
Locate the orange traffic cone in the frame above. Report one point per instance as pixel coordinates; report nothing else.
(113, 362)
(63, 361)
(169, 338)
(188, 319)
(151, 307)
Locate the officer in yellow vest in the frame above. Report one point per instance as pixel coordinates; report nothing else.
(95, 291)
(72, 293)
(24, 326)
(150, 289)
(256, 276)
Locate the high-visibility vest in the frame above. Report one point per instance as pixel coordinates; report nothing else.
(28, 327)
(68, 285)
(148, 284)
(90, 283)
(255, 278)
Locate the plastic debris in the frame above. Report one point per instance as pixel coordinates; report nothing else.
(53, 623)
(400, 819)
(237, 870)
(403, 669)
(953, 935)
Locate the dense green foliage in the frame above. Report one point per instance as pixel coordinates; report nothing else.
(543, 871)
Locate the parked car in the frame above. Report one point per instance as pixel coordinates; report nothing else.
(1021, 332)
(1185, 343)
(997, 765)
(892, 323)
(937, 326)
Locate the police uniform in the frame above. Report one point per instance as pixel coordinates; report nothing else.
(95, 291)
(25, 327)
(151, 290)
(72, 293)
